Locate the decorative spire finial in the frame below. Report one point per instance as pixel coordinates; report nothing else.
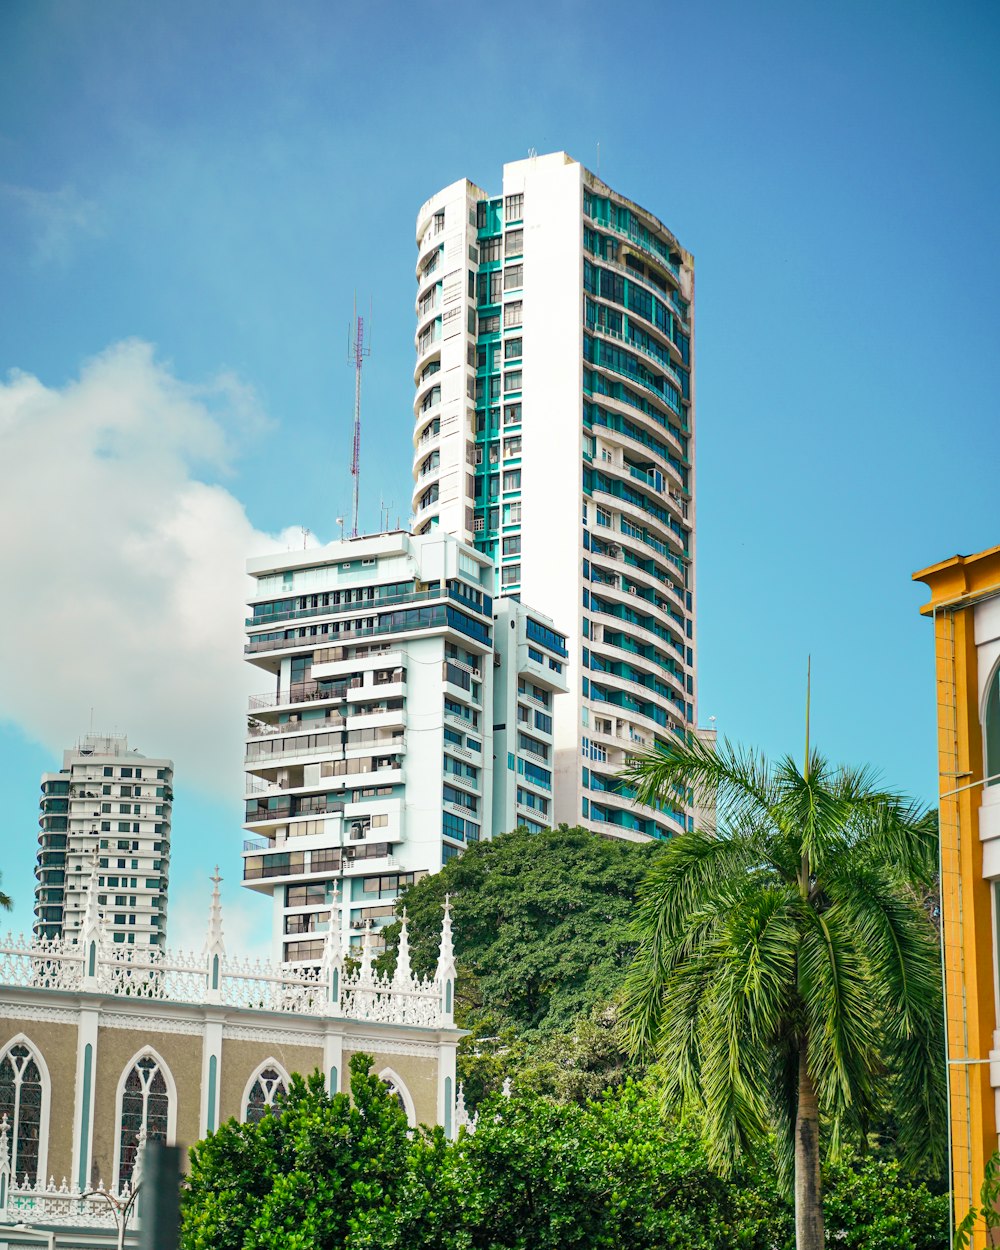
(404, 974)
(367, 955)
(445, 974)
(214, 944)
(446, 957)
(91, 924)
(332, 950)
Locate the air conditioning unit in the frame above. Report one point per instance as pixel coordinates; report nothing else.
(496, 659)
(632, 590)
(614, 550)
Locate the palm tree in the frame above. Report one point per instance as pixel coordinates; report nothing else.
(786, 971)
(6, 902)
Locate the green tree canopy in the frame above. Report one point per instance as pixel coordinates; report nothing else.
(618, 1173)
(542, 943)
(541, 925)
(326, 1169)
(787, 967)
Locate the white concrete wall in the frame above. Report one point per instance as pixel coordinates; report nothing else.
(552, 448)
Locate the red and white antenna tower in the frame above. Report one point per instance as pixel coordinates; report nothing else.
(357, 349)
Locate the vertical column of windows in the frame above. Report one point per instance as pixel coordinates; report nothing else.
(626, 684)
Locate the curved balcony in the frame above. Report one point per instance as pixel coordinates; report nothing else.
(623, 441)
(427, 279)
(423, 514)
(429, 312)
(659, 493)
(640, 632)
(633, 716)
(617, 337)
(641, 519)
(644, 419)
(663, 296)
(637, 689)
(430, 350)
(423, 419)
(612, 562)
(429, 236)
(428, 475)
(615, 652)
(637, 242)
(641, 548)
(424, 445)
(424, 399)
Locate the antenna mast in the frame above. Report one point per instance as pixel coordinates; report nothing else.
(357, 349)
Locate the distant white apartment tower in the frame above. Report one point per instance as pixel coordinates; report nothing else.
(554, 430)
(529, 670)
(370, 757)
(111, 804)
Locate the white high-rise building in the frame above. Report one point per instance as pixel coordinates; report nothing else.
(371, 758)
(554, 430)
(111, 804)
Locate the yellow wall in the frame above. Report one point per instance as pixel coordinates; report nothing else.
(966, 906)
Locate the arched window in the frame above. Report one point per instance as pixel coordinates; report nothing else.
(24, 1100)
(400, 1093)
(264, 1092)
(991, 728)
(147, 1102)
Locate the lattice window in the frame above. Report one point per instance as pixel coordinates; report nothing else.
(145, 1105)
(21, 1102)
(266, 1095)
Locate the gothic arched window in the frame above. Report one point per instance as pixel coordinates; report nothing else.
(267, 1089)
(145, 1098)
(22, 1099)
(991, 729)
(400, 1093)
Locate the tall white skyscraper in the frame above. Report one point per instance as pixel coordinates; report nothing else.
(554, 430)
(111, 804)
(371, 756)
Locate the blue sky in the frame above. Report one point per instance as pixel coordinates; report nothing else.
(190, 196)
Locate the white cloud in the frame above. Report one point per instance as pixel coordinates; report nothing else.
(123, 571)
(57, 219)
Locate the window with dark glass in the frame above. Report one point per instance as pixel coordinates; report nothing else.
(145, 1108)
(21, 1103)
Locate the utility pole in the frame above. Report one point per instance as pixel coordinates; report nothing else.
(358, 348)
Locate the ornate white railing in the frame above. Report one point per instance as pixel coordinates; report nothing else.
(343, 985)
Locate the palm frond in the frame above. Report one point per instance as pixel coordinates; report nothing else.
(918, 1065)
(783, 1101)
(898, 940)
(841, 1017)
(888, 828)
(739, 779)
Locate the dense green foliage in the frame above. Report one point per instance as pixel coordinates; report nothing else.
(541, 925)
(322, 1173)
(983, 1216)
(616, 1174)
(542, 944)
(788, 975)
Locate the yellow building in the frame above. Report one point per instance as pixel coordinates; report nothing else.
(965, 609)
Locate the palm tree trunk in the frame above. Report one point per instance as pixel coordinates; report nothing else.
(808, 1191)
